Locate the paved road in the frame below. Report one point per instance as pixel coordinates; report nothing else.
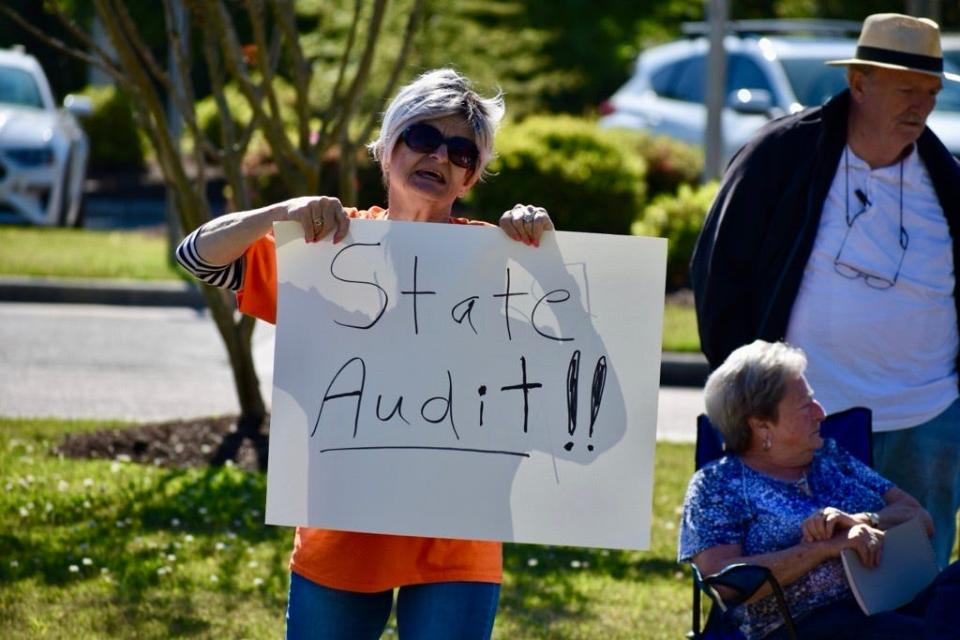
(143, 364)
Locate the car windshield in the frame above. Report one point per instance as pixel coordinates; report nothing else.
(949, 98)
(18, 87)
(814, 82)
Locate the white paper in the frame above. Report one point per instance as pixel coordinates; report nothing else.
(407, 401)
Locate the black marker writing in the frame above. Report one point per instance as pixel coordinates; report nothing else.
(525, 387)
(506, 304)
(416, 292)
(386, 298)
(573, 378)
(397, 409)
(546, 298)
(465, 313)
(448, 410)
(482, 391)
(596, 392)
(358, 392)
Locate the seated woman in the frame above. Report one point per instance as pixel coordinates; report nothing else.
(785, 498)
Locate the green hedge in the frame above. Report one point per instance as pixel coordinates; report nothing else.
(114, 139)
(670, 163)
(586, 177)
(677, 218)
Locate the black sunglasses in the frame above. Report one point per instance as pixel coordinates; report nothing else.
(425, 138)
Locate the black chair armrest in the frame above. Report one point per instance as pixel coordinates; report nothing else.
(745, 580)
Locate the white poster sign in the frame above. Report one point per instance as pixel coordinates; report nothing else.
(444, 380)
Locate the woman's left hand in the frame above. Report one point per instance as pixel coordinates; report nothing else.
(526, 223)
(822, 524)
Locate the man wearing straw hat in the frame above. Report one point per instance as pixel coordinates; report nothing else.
(838, 229)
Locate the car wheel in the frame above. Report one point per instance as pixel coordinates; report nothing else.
(66, 199)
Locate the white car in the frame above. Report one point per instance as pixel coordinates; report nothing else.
(43, 149)
(767, 76)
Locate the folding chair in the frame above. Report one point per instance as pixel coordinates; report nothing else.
(852, 429)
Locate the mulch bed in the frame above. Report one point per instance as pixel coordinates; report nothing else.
(178, 443)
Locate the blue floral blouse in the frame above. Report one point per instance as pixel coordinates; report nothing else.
(727, 502)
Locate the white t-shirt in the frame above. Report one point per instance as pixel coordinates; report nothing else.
(891, 349)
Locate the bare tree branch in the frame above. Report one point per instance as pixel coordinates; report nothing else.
(349, 103)
(99, 60)
(302, 71)
(284, 152)
(399, 63)
(334, 104)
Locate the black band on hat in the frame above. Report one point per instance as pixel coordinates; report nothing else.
(909, 60)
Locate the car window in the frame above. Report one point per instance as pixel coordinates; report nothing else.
(18, 87)
(686, 79)
(949, 97)
(744, 73)
(681, 80)
(813, 81)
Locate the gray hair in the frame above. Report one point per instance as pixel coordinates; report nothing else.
(437, 94)
(750, 384)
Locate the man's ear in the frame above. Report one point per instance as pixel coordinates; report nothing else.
(856, 80)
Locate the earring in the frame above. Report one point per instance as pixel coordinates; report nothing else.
(766, 443)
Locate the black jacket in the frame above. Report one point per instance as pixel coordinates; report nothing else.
(758, 235)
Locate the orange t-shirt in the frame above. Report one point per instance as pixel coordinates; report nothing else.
(366, 562)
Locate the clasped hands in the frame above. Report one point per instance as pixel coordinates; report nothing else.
(845, 531)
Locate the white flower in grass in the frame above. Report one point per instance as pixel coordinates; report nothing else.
(162, 571)
(205, 449)
(122, 457)
(171, 557)
(104, 571)
(231, 535)
(532, 562)
(119, 524)
(257, 582)
(202, 511)
(14, 564)
(575, 564)
(9, 486)
(87, 562)
(214, 579)
(175, 522)
(252, 564)
(188, 538)
(219, 546)
(24, 512)
(86, 504)
(74, 568)
(115, 467)
(63, 485)
(88, 482)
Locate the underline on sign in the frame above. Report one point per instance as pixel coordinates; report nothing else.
(520, 454)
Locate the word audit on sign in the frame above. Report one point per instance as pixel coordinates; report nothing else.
(349, 384)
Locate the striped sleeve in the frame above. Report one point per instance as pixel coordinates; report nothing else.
(225, 277)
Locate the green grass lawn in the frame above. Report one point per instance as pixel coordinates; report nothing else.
(112, 549)
(76, 253)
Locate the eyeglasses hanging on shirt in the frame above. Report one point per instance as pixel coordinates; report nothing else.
(865, 252)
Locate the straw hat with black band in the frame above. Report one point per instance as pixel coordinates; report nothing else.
(895, 41)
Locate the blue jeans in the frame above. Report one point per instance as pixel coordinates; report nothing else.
(933, 615)
(925, 462)
(456, 610)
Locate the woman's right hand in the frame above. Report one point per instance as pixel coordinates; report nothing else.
(865, 540)
(318, 215)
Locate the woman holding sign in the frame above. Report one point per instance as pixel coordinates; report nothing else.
(435, 141)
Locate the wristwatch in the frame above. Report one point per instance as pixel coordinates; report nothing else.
(874, 519)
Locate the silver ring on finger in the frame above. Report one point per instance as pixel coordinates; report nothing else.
(527, 218)
(318, 222)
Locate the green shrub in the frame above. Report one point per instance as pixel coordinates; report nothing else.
(670, 163)
(114, 138)
(585, 176)
(677, 218)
